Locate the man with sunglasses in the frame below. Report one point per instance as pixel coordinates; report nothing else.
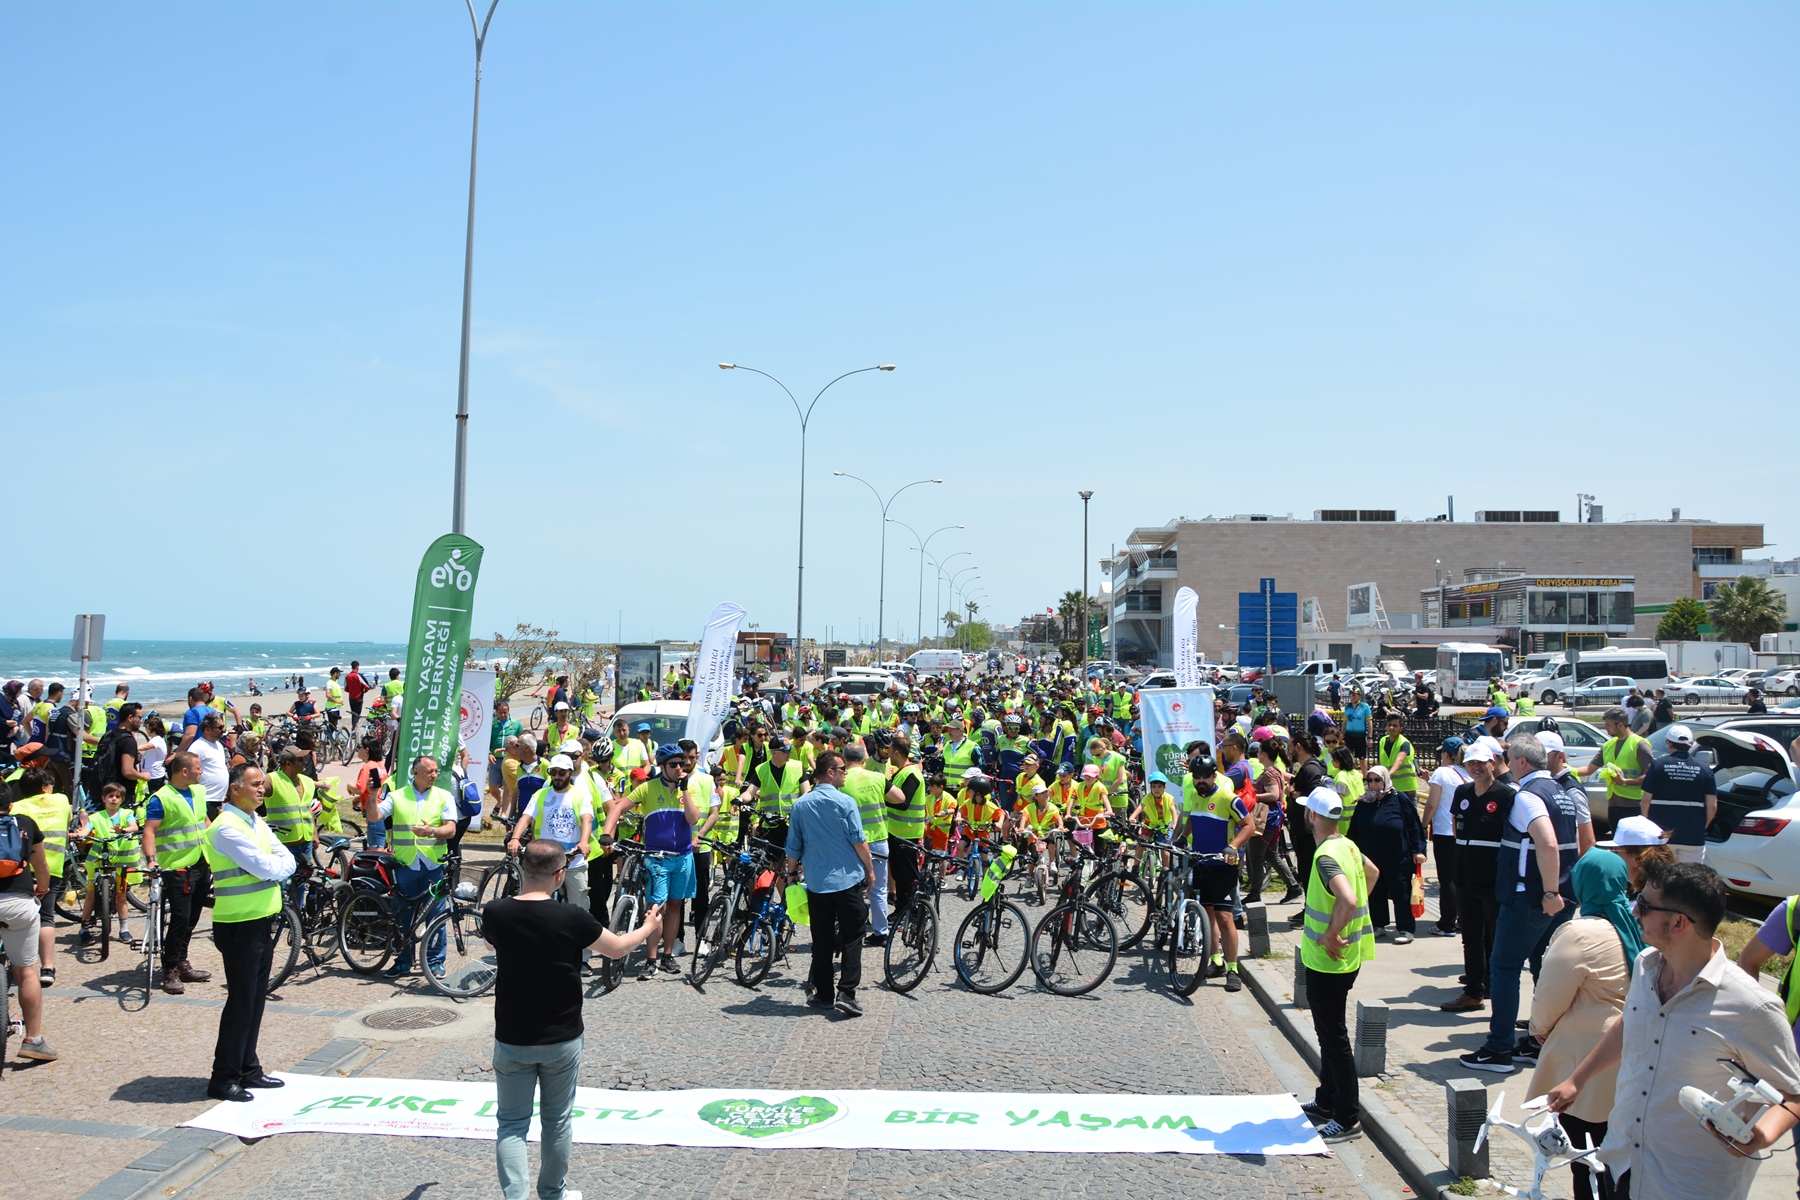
(561, 812)
(1690, 1019)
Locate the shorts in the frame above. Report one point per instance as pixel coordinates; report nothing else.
(1216, 884)
(1689, 854)
(19, 928)
(496, 778)
(668, 877)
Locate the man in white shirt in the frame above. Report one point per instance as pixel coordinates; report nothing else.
(563, 812)
(215, 765)
(1439, 823)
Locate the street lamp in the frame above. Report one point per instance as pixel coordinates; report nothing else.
(462, 375)
(881, 602)
(954, 588)
(919, 617)
(800, 569)
(938, 595)
(1085, 497)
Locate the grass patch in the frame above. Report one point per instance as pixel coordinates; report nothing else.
(1465, 1187)
(1736, 934)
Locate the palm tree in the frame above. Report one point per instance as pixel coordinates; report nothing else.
(1745, 610)
(1069, 609)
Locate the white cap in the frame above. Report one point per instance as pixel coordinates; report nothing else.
(1495, 746)
(1326, 802)
(1479, 752)
(1680, 735)
(572, 746)
(560, 705)
(1551, 741)
(561, 763)
(1038, 788)
(1634, 831)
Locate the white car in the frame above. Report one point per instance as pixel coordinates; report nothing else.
(668, 723)
(1755, 842)
(1741, 675)
(1779, 683)
(1705, 687)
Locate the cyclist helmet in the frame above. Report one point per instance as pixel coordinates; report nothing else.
(1547, 725)
(1103, 726)
(882, 739)
(1011, 718)
(912, 710)
(601, 750)
(980, 785)
(667, 751)
(733, 730)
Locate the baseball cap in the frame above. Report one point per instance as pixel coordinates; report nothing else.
(1634, 831)
(1479, 752)
(1091, 771)
(1680, 735)
(561, 763)
(1065, 768)
(561, 705)
(572, 746)
(1495, 746)
(1495, 711)
(1038, 788)
(641, 727)
(1450, 745)
(1158, 777)
(1326, 802)
(1551, 741)
(777, 743)
(292, 754)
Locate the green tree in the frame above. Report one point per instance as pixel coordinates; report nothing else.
(1681, 623)
(977, 636)
(1745, 610)
(1069, 609)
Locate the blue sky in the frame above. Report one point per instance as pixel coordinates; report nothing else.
(1198, 258)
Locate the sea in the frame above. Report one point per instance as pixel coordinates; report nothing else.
(164, 671)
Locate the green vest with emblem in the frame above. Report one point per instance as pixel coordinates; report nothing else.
(908, 823)
(180, 833)
(288, 810)
(869, 790)
(1359, 933)
(776, 796)
(1623, 754)
(410, 810)
(237, 894)
(52, 813)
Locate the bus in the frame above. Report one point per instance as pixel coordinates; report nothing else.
(1463, 671)
(1649, 669)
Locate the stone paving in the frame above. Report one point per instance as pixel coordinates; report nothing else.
(144, 1066)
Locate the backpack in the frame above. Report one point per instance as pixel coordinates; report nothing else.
(12, 847)
(468, 800)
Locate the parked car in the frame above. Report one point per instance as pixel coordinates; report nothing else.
(1754, 842)
(1742, 675)
(1602, 689)
(1783, 727)
(1705, 687)
(668, 723)
(1782, 682)
(1157, 679)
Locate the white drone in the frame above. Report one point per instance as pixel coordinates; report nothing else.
(1549, 1142)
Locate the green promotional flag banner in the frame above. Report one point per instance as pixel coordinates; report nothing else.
(443, 606)
(803, 1118)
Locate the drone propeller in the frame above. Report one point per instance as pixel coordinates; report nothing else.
(1493, 1117)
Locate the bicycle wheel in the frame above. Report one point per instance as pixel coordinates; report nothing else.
(1124, 899)
(990, 947)
(103, 912)
(352, 829)
(288, 941)
(497, 883)
(153, 931)
(137, 894)
(911, 947)
(715, 927)
(755, 953)
(319, 919)
(624, 918)
(1073, 949)
(537, 717)
(470, 967)
(74, 883)
(1190, 947)
(367, 936)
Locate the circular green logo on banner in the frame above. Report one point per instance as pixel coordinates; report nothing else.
(757, 1119)
(1170, 762)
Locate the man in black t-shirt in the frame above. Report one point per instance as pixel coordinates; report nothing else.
(24, 882)
(539, 948)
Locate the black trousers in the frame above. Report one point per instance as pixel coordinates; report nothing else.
(248, 949)
(1393, 888)
(1328, 995)
(184, 892)
(903, 872)
(1476, 911)
(703, 869)
(1586, 1180)
(600, 886)
(1300, 835)
(838, 919)
(1443, 853)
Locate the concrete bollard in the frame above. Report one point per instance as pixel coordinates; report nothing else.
(1467, 1100)
(1299, 980)
(1256, 929)
(1371, 1037)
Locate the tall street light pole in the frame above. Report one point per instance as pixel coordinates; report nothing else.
(919, 617)
(1085, 497)
(462, 375)
(805, 416)
(881, 601)
(937, 600)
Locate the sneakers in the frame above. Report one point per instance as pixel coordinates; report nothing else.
(846, 1004)
(1216, 967)
(1526, 1052)
(1314, 1113)
(667, 965)
(813, 999)
(86, 937)
(648, 973)
(1232, 982)
(1294, 894)
(37, 1048)
(1337, 1131)
(1487, 1060)
(1451, 932)
(1403, 938)
(1467, 1002)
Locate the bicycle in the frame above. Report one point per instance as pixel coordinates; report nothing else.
(1185, 928)
(311, 908)
(985, 960)
(108, 882)
(765, 939)
(153, 928)
(1074, 947)
(370, 930)
(628, 906)
(1120, 892)
(913, 934)
(745, 868)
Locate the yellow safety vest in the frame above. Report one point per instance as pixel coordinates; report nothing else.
(1623, 754)
(1406, 778)
(52, 813)
(1359, 933)
(182, 830)
(288, 810)
(410, 810)
(777, 796)
(237, 894)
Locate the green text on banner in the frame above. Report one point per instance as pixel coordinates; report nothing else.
(443, 605)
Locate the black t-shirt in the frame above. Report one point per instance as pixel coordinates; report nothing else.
(123, 748)
(1309, 776)
(1479, 818)
(30, 839)
(539, 945)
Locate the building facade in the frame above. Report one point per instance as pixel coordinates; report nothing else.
(1364, 570)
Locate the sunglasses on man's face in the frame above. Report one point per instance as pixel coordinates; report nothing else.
(1641, 906)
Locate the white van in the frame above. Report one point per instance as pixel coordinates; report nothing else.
(1648, 669)
(1321, 667)
(935, 662)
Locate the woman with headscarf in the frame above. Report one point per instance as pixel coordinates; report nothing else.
(12, 717)
(1580, 993)
(1386, 828)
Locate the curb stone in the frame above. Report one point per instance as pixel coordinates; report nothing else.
(1388, 1130)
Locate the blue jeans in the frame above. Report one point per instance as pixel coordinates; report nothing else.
(1520, 931)
(412, 882)
(376, 837)
(548, 1073)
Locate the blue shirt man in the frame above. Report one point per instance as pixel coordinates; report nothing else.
(825, 837)
(1681, 796)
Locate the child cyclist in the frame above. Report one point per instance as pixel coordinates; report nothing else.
(1040, 820)
(1088, 807)
(980, 821)
(114, 831)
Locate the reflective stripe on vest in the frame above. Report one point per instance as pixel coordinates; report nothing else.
(1404, 779)
(777, 796)
(52, 814)
(1359, 933)
(1506, 875)
(869, 790)
(908, 822)
(288, 810)
(409, 811)
(237, 894)
(958, 761)
(1623, 754)
(182, 830)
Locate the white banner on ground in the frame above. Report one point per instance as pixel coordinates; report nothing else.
(477, 725)
(713, 674)
(797, 1119)
(1187, 639)
(1173, 717)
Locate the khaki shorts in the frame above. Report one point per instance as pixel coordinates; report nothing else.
(19, 927)
(1689, 854)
